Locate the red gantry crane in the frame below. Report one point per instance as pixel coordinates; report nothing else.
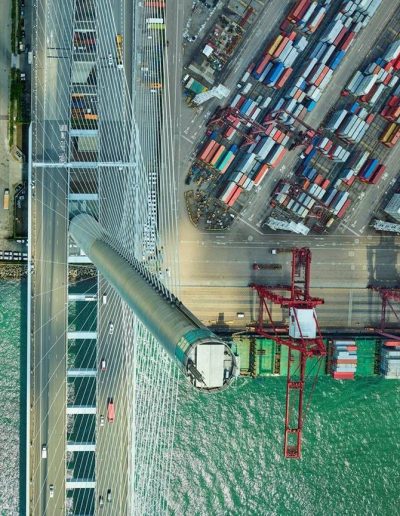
(303, 339)
(389, 296)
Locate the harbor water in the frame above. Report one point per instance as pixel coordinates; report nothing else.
(12, 409)
(228, 456)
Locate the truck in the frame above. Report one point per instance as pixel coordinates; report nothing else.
(279, 250)
(266, 266)
(6, 198)
(119, 40)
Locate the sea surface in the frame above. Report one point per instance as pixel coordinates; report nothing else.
(12, 347)
(227, 456)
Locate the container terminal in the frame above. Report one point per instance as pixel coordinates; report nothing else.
(341, 157)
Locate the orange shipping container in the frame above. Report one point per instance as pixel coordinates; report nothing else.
(207, 150)
(280, 47)
(217, 155)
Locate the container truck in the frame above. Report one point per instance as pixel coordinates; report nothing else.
(6, 198)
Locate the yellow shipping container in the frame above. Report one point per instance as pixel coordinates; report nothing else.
(388, 132)
(275, 44)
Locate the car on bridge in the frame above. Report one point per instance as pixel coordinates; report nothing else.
(110, 410)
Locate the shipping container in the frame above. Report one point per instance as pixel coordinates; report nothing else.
(206, 151)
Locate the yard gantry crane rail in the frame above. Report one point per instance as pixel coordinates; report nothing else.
(304, 339)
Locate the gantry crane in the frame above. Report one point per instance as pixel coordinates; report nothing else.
(388, 297)
(304, 339)
(228, 114)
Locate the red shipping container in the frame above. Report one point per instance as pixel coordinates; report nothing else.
(343, 376)
(229, 132)
(396, 64)
(387, 79)
(281, 138)
(346, 361)
(344, 208)
(347, 41)
(242, 100)
(388, 67)
(392, 343)
(351, 348)
(283, 78)
(261, 174)
(235, 196)
(321, 76)
(298, 10)
(279, 158)
(277, 135)
(242, 180)
(309, 149)
(281, 46)
(350, 181)
(377, 174)
(340, 36)
(306, 184)
(207, 149)
(261, 67)
(318, 180)
(325, 184)
(370, 118)
(292, 35)
(298, 93)
(269, 129)
(394, 101)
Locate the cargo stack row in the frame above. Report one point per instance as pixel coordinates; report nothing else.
(344, 359)
(390, 359)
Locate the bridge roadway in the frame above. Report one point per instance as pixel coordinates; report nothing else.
(50, 244)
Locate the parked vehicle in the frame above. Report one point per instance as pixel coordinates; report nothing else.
(44, 451)
(103, 364)
(111, 328)
(101, 501)
(51, 491)
(109, 499)
(101, 420)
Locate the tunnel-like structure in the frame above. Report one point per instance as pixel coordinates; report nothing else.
(206, 360)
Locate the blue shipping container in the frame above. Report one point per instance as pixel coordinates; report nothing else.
(354, 107)
(245, 106)
(274, 74)
(337, 59)
(234, 149)
(311, 105)
(369, 169)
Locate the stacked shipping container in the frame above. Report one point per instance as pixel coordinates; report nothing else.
(344, 361)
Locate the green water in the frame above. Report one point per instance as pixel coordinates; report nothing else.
(12, 425)
(228, 447)
(228, 451)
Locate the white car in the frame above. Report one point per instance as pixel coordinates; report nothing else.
(110, 60)
(44, 451)
(51, 490)
(111, 328)
(102, 420)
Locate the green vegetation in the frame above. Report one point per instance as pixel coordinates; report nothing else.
(14, 18)
(16, 108)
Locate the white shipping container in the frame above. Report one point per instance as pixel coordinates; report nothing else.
(366, 85)
(266, 102)
(309, 67)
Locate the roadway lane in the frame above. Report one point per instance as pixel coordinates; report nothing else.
(112, 445)
(50, 340)
(52, 34)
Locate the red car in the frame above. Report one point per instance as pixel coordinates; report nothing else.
(110, 411)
